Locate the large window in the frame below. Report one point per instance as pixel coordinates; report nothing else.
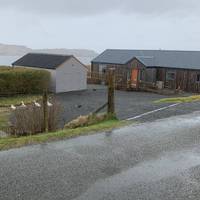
(170, 75)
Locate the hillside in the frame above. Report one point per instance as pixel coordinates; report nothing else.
(17, 50)
(13, 50)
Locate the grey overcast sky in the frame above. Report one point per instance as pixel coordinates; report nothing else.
(101, 24)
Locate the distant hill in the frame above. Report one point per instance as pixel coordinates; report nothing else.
(13, 50)
(84, 55)
(75, 52)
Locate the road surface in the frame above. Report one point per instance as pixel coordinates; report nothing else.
(149, 161)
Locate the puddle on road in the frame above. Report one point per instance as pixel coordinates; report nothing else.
(169, 165)
(166, 166)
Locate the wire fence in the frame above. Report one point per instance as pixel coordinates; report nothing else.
(17, 110)
(14, 115)
(72, 108)
(120, 81)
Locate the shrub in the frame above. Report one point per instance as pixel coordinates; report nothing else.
(29, 120)
(89, 120)
(23, 80)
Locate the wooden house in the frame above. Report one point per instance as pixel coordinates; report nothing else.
(151, 68)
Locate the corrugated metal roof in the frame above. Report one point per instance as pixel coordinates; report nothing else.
(40, 60)
(152, 58)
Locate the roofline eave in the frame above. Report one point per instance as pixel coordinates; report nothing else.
(176, 68)
(42, 68)
(95, 62)
(125, 63)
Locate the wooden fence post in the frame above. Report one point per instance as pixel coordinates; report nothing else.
(45, 111)
(111, 89)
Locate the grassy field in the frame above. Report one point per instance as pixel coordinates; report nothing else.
(12, 142)
(6, 102)
(179, 99)
(16, 100)
(4, 115)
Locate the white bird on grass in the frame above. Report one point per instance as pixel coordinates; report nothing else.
(23, 105)
(13, 107)
(49, 104)
(37, 104)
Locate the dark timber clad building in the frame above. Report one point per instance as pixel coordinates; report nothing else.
(168, 69)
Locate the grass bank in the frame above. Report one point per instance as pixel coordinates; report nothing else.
(12, 142)
(4, 115)
(179, 99)
(16, 100)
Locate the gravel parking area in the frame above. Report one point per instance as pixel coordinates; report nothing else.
(128, 104)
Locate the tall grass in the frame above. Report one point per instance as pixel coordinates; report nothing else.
(30, 120)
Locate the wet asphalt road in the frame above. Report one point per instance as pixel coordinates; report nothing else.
(150, 161)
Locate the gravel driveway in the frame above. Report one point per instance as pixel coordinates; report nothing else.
(128, 104)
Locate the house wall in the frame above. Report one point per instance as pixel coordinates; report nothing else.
(122, 72)
(150, 75)
(98, 75)
(185, 79)
(71, 76)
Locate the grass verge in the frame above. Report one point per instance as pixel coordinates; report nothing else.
(179, 99)
(16, 100)
(12, 142)
(4, 115)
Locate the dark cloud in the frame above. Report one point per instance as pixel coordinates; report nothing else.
(91, 7)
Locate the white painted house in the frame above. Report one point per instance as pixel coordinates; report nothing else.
(67, 72)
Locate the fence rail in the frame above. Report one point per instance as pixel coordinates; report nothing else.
(42, 115)
(21, 108)
(102, 78)
(150, 85)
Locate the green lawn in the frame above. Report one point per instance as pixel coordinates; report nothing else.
(16, 100)
(179, 99)
(12, 142)
(4, 115)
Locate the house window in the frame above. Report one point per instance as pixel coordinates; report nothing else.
(142, 75)
(198, 77)
(128, 75)
(102, 68)
(170, 75)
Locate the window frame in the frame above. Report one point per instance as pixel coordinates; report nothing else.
(198, 78)
(102, 68)
(170, 78)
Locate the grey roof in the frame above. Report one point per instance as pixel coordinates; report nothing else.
(152, 58)
(41, 60)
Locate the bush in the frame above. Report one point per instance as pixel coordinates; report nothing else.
(29, 120)
(23, 80)
(89, 120)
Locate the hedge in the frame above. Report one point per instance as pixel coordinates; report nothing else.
(23, 80)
